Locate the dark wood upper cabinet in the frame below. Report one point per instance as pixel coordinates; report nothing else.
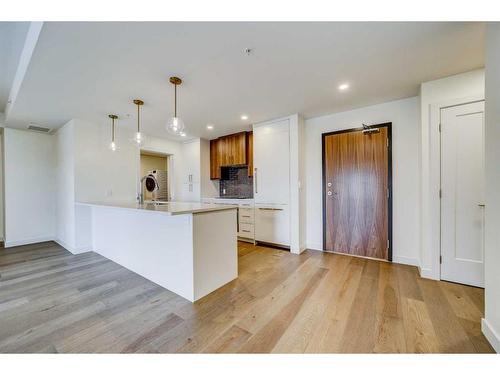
(214, 160)
(240, 149)
(229, 150)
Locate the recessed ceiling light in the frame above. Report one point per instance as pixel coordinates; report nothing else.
(210, 126)
(343, 86)
(182, 134)
(244, 117)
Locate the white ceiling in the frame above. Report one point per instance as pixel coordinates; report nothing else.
(12, 35)
(88, 70)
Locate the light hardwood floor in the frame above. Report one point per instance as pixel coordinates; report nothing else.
(53, 301)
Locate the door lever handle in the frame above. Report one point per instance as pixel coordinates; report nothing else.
(481, 205)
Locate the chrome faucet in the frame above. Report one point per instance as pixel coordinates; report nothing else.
(140, 197)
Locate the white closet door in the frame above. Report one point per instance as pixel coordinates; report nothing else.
(271, 150)
(462, 187)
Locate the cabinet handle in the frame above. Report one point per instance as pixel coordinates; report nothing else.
(270, 209)
(244, 216)
(255, 178)
(246, 231)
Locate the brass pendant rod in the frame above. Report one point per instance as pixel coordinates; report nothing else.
(138, 114)
(113, 118)
(175, 100)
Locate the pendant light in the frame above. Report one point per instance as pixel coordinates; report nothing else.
(112, 145)
(138, 136)
(175, 125)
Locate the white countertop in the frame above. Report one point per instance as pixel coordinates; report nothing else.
(216, 200)
(168, 208)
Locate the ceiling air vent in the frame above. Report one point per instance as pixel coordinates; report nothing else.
(39, 129)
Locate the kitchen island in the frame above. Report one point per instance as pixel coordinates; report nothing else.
(187, 248)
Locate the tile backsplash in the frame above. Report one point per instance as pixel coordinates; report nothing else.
(236, 183)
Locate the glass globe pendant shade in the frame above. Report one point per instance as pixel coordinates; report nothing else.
(112, 146)
(175, 126)
(138, 139)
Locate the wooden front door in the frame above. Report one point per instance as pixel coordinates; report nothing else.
(357, 192)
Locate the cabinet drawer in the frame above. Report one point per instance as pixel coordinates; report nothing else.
(246, 215)
(272, 224)
(246, 230)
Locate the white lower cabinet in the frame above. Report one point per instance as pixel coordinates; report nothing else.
(246, 231)
(272, 223)
(246, 221)
(246, 216)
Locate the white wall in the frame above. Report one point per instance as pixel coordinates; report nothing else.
(404, 115)
(104, 175)
(65, 186)
(88, 171)
(491, 322)
(451, 90)
(30, 166)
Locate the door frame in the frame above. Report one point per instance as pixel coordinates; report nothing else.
(387, 125)
(430, 242)
(445, 105)
(170, 171)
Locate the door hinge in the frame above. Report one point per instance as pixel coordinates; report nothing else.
(439, 127)
(440, 259)
(388, 245)
(387, 142)
(388, 194)
(440, 193)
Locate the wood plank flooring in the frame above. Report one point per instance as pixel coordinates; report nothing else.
(52, 301)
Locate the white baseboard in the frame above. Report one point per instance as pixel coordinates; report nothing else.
(315, 246)
(27, 241)
(406, 260)
(72, 249)
(491, 335)
(427, 273)
(310, 248)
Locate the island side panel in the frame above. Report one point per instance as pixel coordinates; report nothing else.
(215, 250)
(156, 246)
